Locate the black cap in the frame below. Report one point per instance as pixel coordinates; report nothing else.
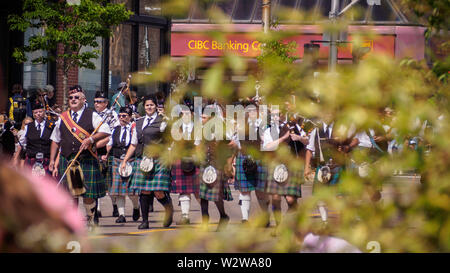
(100, 94)
(38, 105)
(75, 89)
(126, 110)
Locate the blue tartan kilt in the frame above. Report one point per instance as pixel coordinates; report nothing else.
(219, 190)
(292, 186)
(335, 177)
(246, 183)
(158, 179)
(93, 179)
(117, 185)
(184, 182)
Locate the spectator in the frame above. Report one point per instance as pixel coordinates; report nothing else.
(16, 106)
(51, 98)
(121, 98)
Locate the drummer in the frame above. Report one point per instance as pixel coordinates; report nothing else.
(118, 182)
(151, 176)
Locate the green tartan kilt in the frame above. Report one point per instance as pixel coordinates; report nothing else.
(245, 183)
(117, 185)
(93, 179)
(292, 186)
(158, 179)
(219, 190)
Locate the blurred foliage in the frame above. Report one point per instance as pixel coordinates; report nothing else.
(411, 217)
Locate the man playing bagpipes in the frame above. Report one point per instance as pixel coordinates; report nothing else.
(327, 153)
(72, 135)
(250, 175)
(284, 178)
(112, 120)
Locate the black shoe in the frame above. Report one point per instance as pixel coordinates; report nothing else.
(115, 211)
(223, 222)
(244, 221)
(136, 214)
(144, 225)
(169, 215)
(183, 221)
(121, 219)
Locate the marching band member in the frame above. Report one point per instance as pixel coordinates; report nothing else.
(112, 120)
(250, 175)
(185, 170)
(117, 147)
(72, 133)
(326, 152)
(150, 175)
(213, 186)
(36, 139)
(283, 180)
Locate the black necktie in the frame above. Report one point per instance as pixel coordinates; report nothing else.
(39, 129)
(124, 135)
(74, 117)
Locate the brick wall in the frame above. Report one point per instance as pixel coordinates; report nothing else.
(72, 80)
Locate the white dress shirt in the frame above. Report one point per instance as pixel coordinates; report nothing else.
(96, 120)
(23, 139)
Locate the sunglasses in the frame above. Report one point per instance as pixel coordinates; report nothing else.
(123, 116)
(99, 101)
(74, 97)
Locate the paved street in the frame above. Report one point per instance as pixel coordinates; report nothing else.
(122, 237)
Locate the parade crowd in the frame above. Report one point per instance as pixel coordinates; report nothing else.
(117, 148)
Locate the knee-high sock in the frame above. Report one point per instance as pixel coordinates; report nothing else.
(276, 208)
(245, 200)
(323, 212)
(221, 208)
(121, 204)
(185, 202)
(144, 199)
(113, 199)
(151, 198)
(204, 207)
(135, 200)
(166, 201)
(89, 209)
(97, 202)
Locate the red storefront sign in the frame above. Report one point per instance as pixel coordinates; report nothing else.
(246, 45)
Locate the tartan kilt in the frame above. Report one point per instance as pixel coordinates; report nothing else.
(335, 178)
(158, 179)
(292, 186)
(30, 162)
(93, 179)
(182, 182)
(245, 183)
(219, 190)
(117, 185)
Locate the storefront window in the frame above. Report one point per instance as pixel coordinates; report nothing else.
(34, 75)
(150, 7)
(119, 56)
(90, 79)
(149, 54)
(244, 10)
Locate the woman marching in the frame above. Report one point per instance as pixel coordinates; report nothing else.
(149, 173)
(118, 182)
